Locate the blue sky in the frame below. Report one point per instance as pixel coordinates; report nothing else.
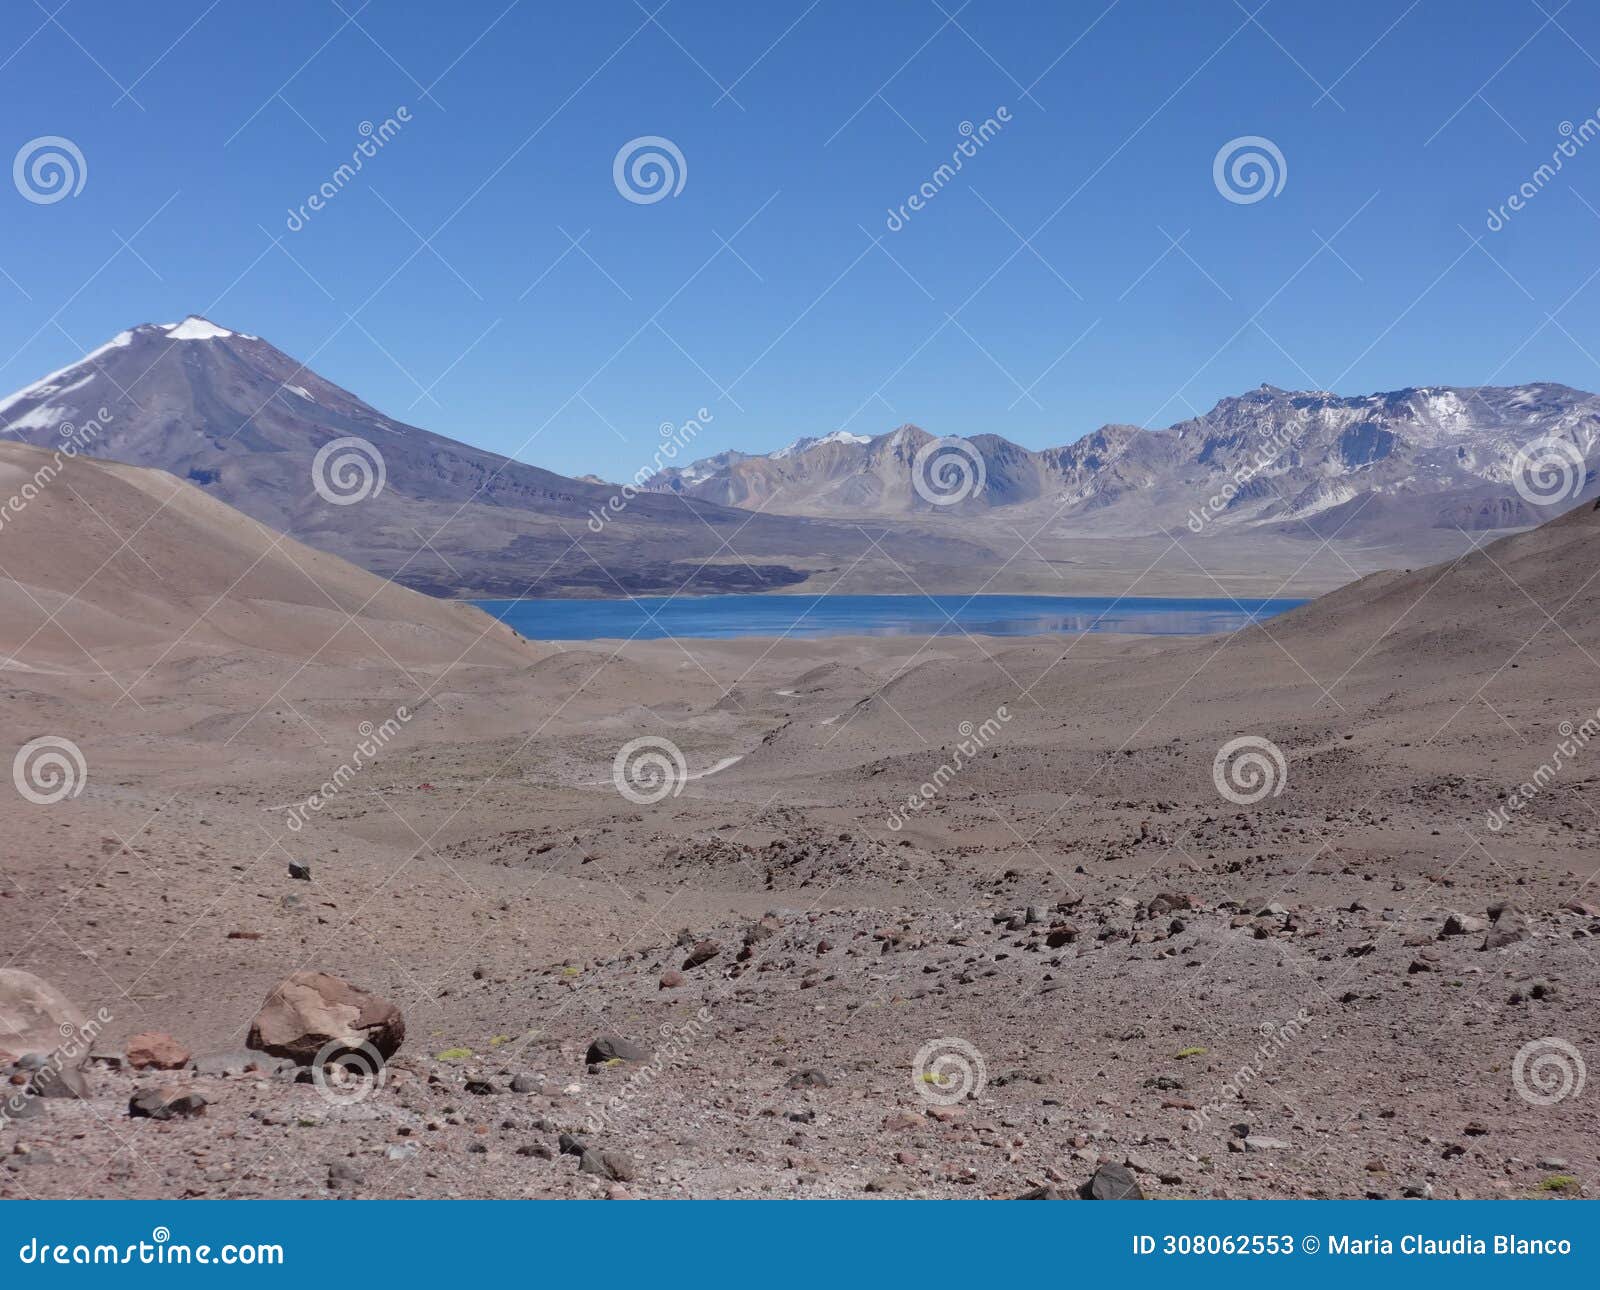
(1037, 295)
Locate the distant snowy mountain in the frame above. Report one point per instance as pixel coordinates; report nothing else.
(252, 427)
(1284, 474)
(1423, 457)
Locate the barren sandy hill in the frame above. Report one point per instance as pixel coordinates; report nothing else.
(105, 565)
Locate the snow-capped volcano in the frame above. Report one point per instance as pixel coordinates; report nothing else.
(246, 422)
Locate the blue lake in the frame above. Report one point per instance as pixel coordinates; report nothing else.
(655, 617)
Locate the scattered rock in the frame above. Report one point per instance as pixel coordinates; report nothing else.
(606, 1048)
(307, 1012)
(1112, 1182)
(240, 1062)
(156, 1050)
(168, 1102)
(671, 979)
(343, 1176)
(48, 1077)
(703, 952)
(1510, 925)
(607, 1162)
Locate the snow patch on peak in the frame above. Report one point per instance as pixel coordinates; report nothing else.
(195, 327)
(52, 385)
(806, 444)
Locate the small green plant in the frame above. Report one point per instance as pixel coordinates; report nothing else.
(1191, 1052)
(454, 1054)
(1559, 1182)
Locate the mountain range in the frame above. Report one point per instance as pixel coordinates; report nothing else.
(231, 413)
(1310, 488)
(1432, 457)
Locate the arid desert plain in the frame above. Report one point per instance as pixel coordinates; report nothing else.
(1307, 910)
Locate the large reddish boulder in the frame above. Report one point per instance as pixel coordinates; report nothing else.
(309, 1011)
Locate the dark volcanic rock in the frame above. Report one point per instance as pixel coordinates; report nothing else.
(606, 1048)
(1112, 1182)
(165, 1103)
(704, 952)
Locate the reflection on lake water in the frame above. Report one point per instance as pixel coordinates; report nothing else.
(655, 617)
